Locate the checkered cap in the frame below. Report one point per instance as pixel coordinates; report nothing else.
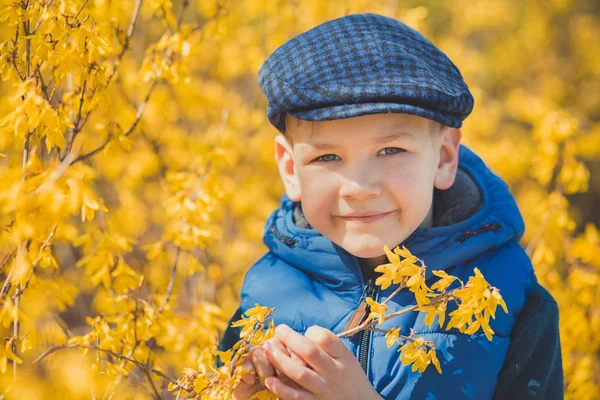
(362, 64)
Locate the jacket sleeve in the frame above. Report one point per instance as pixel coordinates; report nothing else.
(231, 335)
(533, 364)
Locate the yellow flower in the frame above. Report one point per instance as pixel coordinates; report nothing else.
(225, 356)
(415, 353)
(264, 395)
(433, 357)
(392, 336)
(377, 310)
(393, 257)
(432, 311)
(477, 303)
(389, 275)
(255, 315)
(401, 268)
(443, 283)
(200, 383)
(407, 255)
(258, 311)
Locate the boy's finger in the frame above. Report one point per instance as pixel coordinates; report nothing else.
(285, 392)
(263, 367)
(296, 357)
(276, 343)
(308, 350)
(302, 375)
(247, 391)
(327, 341)
(250, 376)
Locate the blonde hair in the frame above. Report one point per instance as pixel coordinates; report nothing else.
(293, 124)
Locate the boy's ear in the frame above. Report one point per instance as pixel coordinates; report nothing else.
(287, 169)
(448, 164)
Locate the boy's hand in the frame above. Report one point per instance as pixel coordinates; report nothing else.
(259, 368)
(331, 370)
(249, 383)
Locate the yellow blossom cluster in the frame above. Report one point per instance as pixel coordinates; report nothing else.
(210, 383)
(477, 301)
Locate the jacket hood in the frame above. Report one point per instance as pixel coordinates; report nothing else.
(476, 214)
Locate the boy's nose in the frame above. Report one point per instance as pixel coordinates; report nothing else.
(360, 185)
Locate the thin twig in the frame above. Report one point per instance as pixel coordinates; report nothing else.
(76, 124)
(7, 283)
(25, 153)
(19, 291)
(91, 153)
(376, 330)
(109, 352)
(80, 122)
(44, 87)
(384, 331)
(185, 5)
(171, 282)
(62, 327)
(369, 323)
(114, 384)
(14, 53)
(220, 7)
(394, 293)
(130, 30)
(129, 131)
(39, 23)
(72, 23)
(540, 232)
(27, 48)
(152, 385)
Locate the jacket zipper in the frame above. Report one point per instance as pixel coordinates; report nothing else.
(365, 338)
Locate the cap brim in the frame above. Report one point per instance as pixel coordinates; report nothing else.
(354, 110)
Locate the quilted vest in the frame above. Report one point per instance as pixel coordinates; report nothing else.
(312, 281)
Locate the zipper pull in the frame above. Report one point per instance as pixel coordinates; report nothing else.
(370, 289)
(363, 310)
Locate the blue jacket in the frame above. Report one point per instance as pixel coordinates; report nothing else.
(312, 281)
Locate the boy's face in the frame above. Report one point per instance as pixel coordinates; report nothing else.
(367, 181)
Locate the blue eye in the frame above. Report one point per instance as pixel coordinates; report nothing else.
(327, 157)
(391, 150)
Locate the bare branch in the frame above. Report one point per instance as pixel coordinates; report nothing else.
(542, 228)
(129, 131)
(152, 385)
(91, 153)
(19, 291)
(109, 352)
(130, 30)
(39, 23)
(369, 323)
(402, 286)
(62, 327)
(77, 122)
(72, 24)
(171, 282)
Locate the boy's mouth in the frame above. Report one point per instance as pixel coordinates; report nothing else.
(365, 217)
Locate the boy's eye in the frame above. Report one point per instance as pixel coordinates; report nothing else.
(327, 157)
(391, 150)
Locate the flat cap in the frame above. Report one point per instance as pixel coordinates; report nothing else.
(362, 64)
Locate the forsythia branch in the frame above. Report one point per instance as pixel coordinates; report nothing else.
(139, 364)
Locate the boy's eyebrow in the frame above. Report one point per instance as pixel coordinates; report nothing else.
(398, 134)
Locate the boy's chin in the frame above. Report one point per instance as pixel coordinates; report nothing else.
(365, 249)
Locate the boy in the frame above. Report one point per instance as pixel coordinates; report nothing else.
(369, 153)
